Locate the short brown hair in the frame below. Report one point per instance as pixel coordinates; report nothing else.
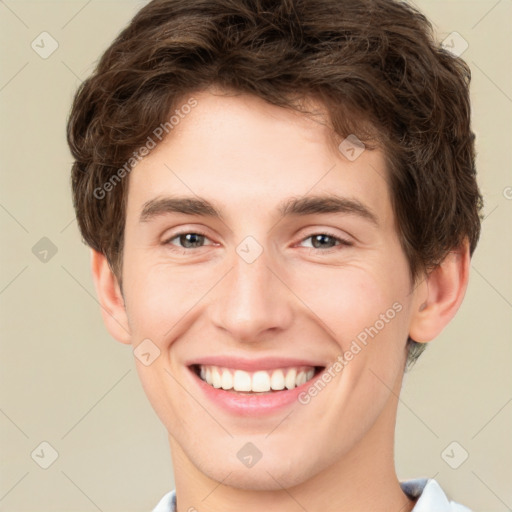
(374, 64)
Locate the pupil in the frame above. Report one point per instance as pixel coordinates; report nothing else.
(188, 242)
(320, 238)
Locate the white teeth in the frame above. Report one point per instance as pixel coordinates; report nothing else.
(261, 381)
(277, 380)
(216, 380)
(291, 379)
(301, 378)
(227, 379)
(242, 381)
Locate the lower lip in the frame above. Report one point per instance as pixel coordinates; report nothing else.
(254, 404)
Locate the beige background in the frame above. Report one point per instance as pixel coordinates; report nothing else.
(66, 382)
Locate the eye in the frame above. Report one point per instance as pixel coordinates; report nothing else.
(187, 239)
(323, 241)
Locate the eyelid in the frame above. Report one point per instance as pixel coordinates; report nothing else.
(340, 234)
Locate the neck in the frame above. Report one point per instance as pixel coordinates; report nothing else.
(363, 479)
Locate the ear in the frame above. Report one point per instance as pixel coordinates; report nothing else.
(439, 296)
(110, 298)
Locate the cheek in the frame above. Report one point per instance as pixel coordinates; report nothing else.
(349, 300)
(153, 302)
(162, 299)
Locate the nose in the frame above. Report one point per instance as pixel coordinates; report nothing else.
(253, 300)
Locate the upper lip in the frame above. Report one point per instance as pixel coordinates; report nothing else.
(253, 364)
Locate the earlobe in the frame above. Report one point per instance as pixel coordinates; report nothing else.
(439, 297)
(110, 297)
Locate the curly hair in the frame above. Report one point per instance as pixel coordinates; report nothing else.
(374, 64)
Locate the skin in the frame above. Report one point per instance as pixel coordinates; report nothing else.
(334, 453)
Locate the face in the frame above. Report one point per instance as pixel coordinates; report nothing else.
(264, 267)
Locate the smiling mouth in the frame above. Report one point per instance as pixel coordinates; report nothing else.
(261, 381)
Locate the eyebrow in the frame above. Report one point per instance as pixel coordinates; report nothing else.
(302, 206)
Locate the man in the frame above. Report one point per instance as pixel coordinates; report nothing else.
(281, 202)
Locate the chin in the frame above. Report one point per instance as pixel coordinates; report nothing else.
(272, 474)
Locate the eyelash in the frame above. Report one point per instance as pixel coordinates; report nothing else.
(341, 241)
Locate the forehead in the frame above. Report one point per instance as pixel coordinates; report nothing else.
(244, 153)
